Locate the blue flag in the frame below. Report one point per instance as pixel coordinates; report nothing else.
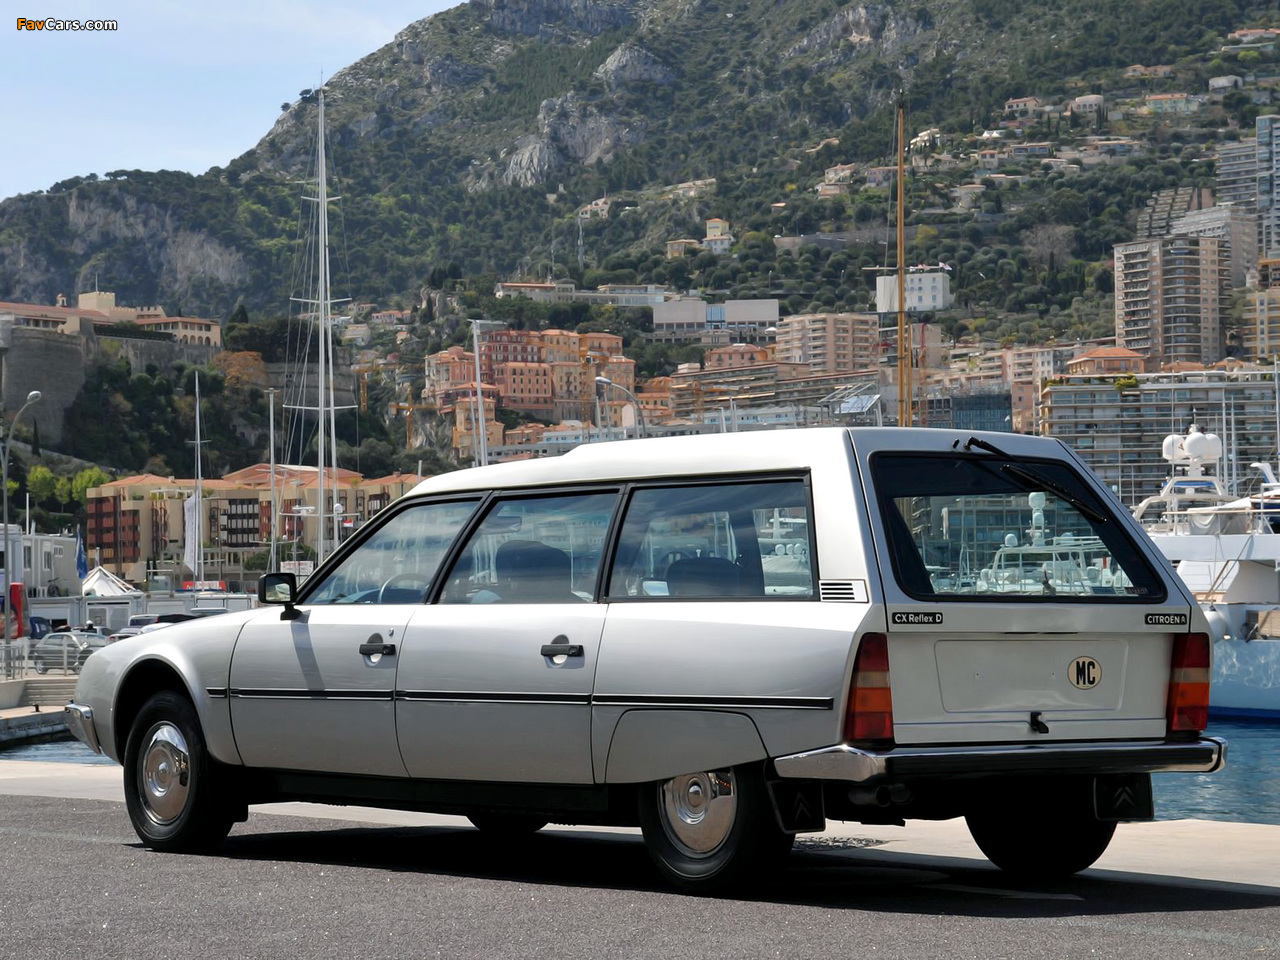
(82, 561)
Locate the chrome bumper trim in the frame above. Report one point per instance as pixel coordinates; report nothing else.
(80, 723)
(854, 765)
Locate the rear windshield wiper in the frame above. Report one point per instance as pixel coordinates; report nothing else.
(1033, 479)
(982, 445)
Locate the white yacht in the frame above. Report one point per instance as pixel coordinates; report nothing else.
(1227, 550)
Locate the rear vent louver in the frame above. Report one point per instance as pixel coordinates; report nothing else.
(847, 591)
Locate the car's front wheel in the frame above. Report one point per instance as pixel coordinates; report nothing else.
(1043, 830)
(41, 668)
(711, 831)
(171, 783)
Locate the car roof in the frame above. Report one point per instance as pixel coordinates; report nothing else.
(660, 456)
(717, 453)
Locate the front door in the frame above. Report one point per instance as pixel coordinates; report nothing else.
(495, 679)
(304, 696)
(317, 692)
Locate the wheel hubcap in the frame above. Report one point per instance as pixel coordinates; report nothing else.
(165, 773)
(698, 811)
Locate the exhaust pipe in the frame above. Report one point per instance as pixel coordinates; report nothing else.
(885, 795)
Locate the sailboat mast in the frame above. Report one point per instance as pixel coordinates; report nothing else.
(271, 434)
(904, 332)
(199, 570)
(322, 307)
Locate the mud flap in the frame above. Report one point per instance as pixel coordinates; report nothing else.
(1119, 797)
(798, 806)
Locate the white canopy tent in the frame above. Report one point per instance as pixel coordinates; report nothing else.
(101, 582)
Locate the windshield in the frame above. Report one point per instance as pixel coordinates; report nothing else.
(990, 527)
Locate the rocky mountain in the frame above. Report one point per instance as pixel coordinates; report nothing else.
(477, 133)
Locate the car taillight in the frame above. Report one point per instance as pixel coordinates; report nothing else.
(869, 715)
(1188, 707)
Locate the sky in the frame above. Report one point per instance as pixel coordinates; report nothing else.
(178, 86)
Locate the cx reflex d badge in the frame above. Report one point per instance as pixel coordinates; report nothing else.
(1084, 673)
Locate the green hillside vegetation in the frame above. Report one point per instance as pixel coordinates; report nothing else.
(464, 150)
(735, 108)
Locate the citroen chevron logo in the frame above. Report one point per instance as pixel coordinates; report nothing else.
(800, 811)
(1124, 799)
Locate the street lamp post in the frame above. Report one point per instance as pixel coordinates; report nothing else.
(480, 426)
(606, 382)
(32, 397)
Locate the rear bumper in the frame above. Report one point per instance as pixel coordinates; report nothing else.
(80, 723)
(851, 764)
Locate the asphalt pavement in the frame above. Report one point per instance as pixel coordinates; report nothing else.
(302, 880)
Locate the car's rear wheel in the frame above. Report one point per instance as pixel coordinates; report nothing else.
(1044, 830)
(507, 825)
(711, 831)
(171, 783)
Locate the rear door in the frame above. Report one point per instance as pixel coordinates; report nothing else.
(1023, 604)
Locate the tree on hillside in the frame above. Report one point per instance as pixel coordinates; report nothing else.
(86, 480)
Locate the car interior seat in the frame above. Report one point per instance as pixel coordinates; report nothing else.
(532, 572)
(704, 577)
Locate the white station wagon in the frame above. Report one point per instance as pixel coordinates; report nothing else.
(724, 640)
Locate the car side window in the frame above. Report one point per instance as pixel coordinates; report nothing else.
(399, 561)
(534, 550)
(715, 541)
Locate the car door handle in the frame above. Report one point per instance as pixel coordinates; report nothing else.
(374, 649)
(562, 649)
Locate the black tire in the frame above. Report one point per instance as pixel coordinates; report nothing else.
(507, 825)
(171, 784)
(40, 665)
(1050, 834)
(739, 841)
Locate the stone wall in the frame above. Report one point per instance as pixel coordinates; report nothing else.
(50, 362)
(55, 363)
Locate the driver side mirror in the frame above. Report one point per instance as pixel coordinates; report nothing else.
(280, 588)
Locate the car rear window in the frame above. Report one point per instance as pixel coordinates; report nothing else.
(1002, 529)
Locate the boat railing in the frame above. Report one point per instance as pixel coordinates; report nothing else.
(1220, 520)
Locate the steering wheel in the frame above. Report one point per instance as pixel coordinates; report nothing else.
(671, 556)
(401, 578)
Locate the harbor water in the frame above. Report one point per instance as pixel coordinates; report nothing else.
(1247, 790)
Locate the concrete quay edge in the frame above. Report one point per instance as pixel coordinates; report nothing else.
(26, 723)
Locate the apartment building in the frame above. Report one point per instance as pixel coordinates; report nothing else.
(137, 526)
(1267, 148)
(1260, 330)
(718, 239)
(508, 346)
(734, 355)
(1236, 226)
(526, 387)
(691, 318)
(1118, 423)
(566, 291)
(695, 390)
(1171, 296)
(98, 310)
(1167, 206)
(927, 289)
(829, 342)
(1236, 173)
